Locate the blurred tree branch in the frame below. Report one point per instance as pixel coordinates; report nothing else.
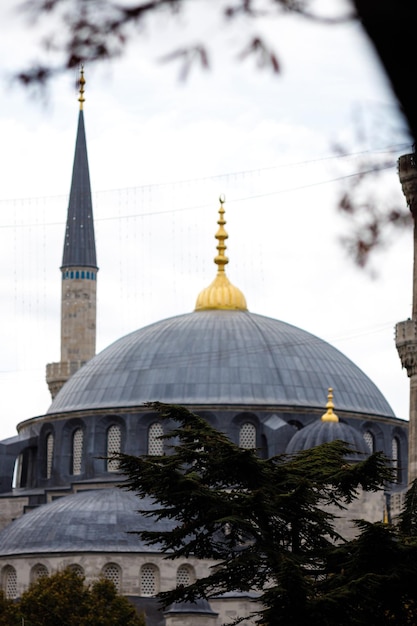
(98, 30)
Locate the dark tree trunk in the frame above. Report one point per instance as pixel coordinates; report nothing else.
(391, 26)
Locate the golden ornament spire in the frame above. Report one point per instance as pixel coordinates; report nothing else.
(221, 259)
(385, 516)
(329, 416)
(81, 99)
(221, 294)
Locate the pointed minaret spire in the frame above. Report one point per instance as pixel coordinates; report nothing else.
(79, 269)
(79, 245)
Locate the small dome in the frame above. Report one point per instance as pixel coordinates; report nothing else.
(200, 606)
(326, 430)
(101, 520)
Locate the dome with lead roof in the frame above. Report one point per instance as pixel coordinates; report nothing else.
(220, 354)
(223, 358)
(100, 520)
(329, 428)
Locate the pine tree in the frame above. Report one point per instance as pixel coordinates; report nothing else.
(265, 522)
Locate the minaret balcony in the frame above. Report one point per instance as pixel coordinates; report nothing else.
(406, 342)
(57, 374)
(407, 172)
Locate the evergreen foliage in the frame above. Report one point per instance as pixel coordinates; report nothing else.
(9, 613)
(267, 526)
(64, 599)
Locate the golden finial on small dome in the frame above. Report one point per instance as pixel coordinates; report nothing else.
(329, 416)
(81, 99)
(385, 516)
(221, 294)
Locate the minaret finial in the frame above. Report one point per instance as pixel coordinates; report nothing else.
(329, 416)
(81, 99)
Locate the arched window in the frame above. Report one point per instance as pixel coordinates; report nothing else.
(114, 444)
(395, 446)
(23, 471)
(247, 436)
(77, 451)
(38, 571)
(369, 440)
(155, 443)
(17, 472)
(49, 454)
(9, 582)
(77, 569)
(149, 580)
(112, 572)
(185, 575)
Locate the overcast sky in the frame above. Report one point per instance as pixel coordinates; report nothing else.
(161, 151)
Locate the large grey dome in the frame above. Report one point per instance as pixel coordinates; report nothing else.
(96, 521)
(220, 357)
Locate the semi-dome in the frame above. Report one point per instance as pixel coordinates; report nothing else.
(200, 606)
(327, 429)
(100, 520)
(220, 357)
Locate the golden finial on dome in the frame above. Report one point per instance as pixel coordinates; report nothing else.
(329, 416)
(221, 294)
(81, 99)
(385, 516)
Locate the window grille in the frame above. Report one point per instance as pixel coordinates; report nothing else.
(395, 447)
(10, 582)
(77, 451)
(247, 436)
(155, 443)
(185, 575)
(148, 580)
(369, 440)
(114, 443)
(39, 571)
(49, 454)
(112, 572)
(77, 569)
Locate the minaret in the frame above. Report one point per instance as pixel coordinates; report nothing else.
(406, 332)
(79, 269)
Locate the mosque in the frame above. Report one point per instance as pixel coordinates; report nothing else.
(263, 382)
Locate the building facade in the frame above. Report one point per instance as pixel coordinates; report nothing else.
(261, 381)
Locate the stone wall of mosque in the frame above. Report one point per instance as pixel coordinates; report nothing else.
(72, 447)
(11, 508)
(140, 576)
